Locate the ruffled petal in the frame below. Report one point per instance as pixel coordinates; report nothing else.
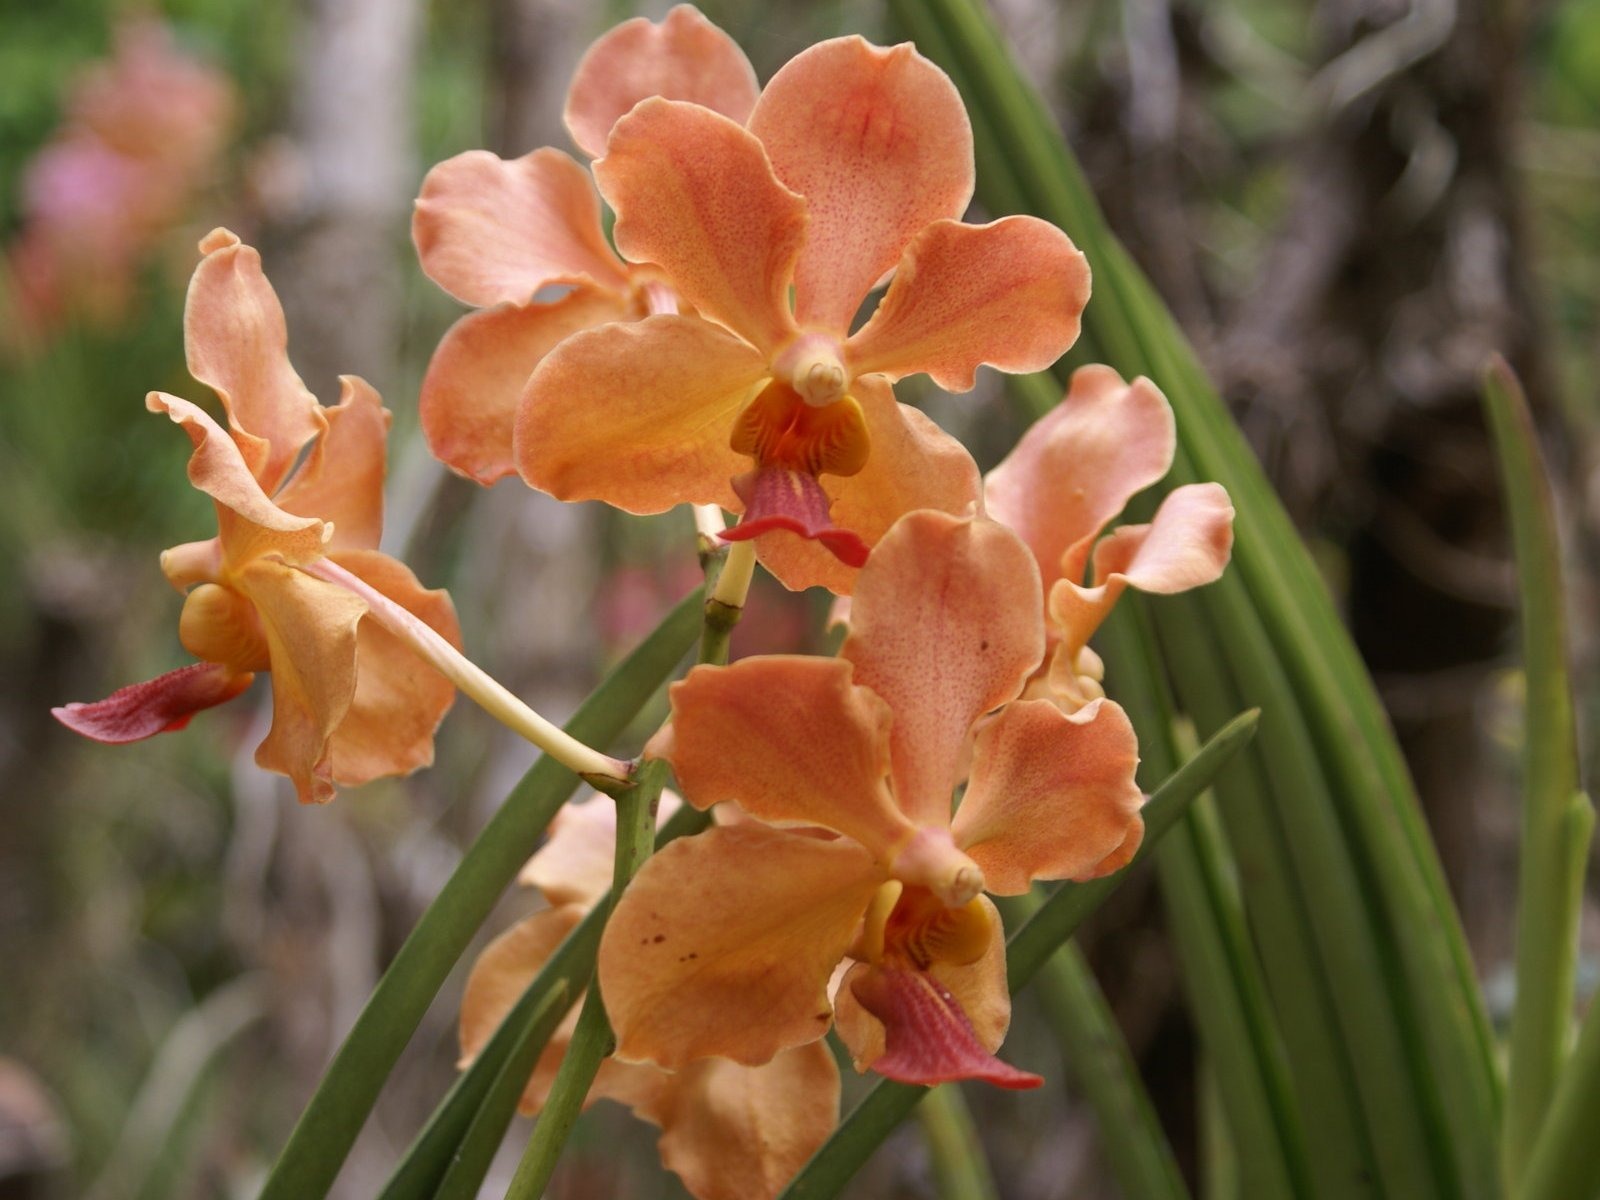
(1052, 796)
(792, 740)
(695, 195)
(878, 143)
(706, 956)
(946, 623)
(250, 524)
(685, 57)
(638, 415)
(780, 499)
(733, 1132)
(489, 229)
(341, 481)
(575, 865)
(978, 988)
(399, 699)
(475, 380)
(238, 346)
(1186, 546)
(310, 627)
(157, 705)
(1078, 466)
(912, 464)
(1009, 294)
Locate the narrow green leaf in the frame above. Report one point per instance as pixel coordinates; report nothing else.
(1565, 1163)
(1249, 1075)
(1547, 894)
(1098, 1059)
(960, 1167)
(888, 1103)
(326, 1130)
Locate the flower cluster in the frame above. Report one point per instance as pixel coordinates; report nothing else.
(723, 350)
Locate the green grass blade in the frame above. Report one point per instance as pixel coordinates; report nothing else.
(328, 1127)
(1547, 893)
(888, 1103)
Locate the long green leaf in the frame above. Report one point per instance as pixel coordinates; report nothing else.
(1423, 980)
(1549, 891)
(960, 1167)
(1221, 974)
(1099, 1061)
(888, 1103)
(326, 1130)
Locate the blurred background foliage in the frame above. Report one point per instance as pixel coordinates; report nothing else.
(1347, 203)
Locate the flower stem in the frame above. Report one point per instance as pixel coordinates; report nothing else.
(592, 1040)
(599, 770)
(725, 602)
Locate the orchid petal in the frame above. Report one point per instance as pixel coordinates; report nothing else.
(705, 956)
(575, 865)
(250, 524)
(470, 394)
(489, 229)
(1078, 466)
(238, 346)
(1010, 295)
(685, 57)
(399, 699)
(945, 624)
(792, 739)
(638, 415)
(912, 464)
(1052, 796)
(878, 142)
(695, 196)
(341, 481)
(733, 1132)
(1186, 546)
(157, 705)
(310, 627)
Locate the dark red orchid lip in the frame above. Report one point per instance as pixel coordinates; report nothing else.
(781, 498)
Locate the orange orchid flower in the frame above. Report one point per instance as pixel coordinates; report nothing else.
(731, 1132)
(351, 702)
(493, 233)
(725, 942)
(856, 164)
(1073, 471)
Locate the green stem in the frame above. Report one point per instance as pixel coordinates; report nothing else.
(592, 1040)
(960, 1167)
(326, 1130)
(725, 602)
